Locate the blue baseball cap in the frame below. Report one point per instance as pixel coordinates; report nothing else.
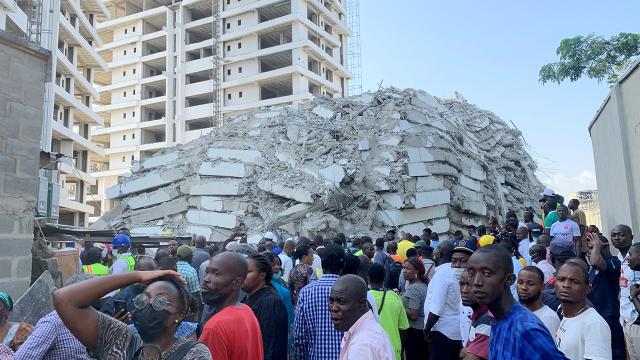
(120, 240)
(468, 246)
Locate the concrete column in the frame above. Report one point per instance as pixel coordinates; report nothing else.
(171, 75)
(182, 16)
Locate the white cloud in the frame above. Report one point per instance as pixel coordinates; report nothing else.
(564, 184)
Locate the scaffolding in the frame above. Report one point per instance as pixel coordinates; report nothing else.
(216, 66)
(34, 20)
(353, 47)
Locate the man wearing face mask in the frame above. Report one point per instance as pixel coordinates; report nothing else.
(159, 310)
(233, 332)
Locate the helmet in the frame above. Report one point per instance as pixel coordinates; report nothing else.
(120, 240)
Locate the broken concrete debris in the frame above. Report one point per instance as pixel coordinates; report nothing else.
(358, 165)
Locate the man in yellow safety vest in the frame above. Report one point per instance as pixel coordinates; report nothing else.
(93, 265)
(125, 262)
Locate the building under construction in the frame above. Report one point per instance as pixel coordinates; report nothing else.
(178, 69)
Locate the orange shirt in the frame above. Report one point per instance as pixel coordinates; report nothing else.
(233, 334)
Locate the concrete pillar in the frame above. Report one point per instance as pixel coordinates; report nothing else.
(171, 75)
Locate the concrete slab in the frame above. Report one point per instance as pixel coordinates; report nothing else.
(407, 216)
(223, 169)
(470, 183)
(212, 187)
(426, 183)
(199, 230)
(396, 200)
(211, 218)
(299, 194)
(475, 207)
(147, 230)
(148, 199)
(246, 156)
(419, 154)
(212, 203)
(36, 302)
(148, 181)
(160, 160)
(391, 141)
(425, 199)
(417, 169)
(323, 112)
(160, 211)
(333, 174)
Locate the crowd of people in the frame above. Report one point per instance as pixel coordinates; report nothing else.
(519, 289)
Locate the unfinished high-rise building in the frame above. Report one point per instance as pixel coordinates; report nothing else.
(178, 69)
(67, 28)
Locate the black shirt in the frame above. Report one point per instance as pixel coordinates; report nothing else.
(272, 317)
(605, 293)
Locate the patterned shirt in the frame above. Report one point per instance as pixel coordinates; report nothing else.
(521, 335)
(52, 340)
(299, 277)
(315, 337)
(189, 273)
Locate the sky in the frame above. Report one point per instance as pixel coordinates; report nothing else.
(491, 52)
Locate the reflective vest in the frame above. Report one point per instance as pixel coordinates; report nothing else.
(96, 269)
(131, 261)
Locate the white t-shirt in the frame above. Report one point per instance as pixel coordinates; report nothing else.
(443, 299)
(517, 266)
(287, 265)
(547, 270)
(586, 336)
(523, 249)
(549, 318)
(564, 230)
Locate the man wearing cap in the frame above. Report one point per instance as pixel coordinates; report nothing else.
(185, 256)
(462, 251)
(125, 262)
(565, 228)
(561, 251)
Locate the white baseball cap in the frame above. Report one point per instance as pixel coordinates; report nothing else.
(548, 192)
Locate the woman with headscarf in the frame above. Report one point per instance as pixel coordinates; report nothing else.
(12, 334)
(158, 312)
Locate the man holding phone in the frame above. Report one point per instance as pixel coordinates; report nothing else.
(120, 306)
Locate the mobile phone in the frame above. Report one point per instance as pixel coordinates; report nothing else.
(119, 306)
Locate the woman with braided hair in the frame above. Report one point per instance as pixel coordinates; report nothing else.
(267, 306)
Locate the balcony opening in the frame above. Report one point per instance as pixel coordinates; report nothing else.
(152, 137)
(274, 11)
(314, 89)
(201, 13)
(312, 16)
(275, 38)
(328, 29)
(275, 61)
(314, 38)
(198, 124)
(313, 65)
(275, 89)
(329, 75)
(197, 77)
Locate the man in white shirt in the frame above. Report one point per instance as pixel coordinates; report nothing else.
(622, 238)
(538, 255)
(285, 258)
(529, 285)
(565, 228)
(583, 333)
(442, 308)
(522, 235)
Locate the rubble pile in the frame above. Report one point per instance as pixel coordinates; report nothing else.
(358, 165)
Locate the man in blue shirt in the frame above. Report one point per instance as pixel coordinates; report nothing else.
(315, 338)
(518, 333)
(605, 294)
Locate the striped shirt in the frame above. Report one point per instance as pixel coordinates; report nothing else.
(52, 340)
(522, 336)
(315, 337)
(190, 275)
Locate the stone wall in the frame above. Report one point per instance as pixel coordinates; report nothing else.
(23, 71)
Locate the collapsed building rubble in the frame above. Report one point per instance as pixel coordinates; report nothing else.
(356, 165)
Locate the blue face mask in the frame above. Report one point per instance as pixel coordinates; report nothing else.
(535, 239)
(277, 275)
(349, 245)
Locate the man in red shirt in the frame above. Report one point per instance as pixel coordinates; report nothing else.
(233, 332)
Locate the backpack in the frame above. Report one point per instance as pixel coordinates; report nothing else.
(393, 275)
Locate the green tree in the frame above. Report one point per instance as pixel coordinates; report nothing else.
(594, 56)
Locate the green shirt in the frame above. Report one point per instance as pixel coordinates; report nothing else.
(551, 218)
(393, 317)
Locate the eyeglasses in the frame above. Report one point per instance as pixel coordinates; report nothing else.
(159, 302)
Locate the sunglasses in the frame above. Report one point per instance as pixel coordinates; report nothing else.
(159, 302)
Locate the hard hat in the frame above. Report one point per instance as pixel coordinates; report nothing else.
(120, 240)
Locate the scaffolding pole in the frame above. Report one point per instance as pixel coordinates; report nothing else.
(216, 66)
(353, 47)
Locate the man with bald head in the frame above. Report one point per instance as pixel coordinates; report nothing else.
(285, 258)
(200, 253)
(233, 331)
(363, 337)
(622, 238)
